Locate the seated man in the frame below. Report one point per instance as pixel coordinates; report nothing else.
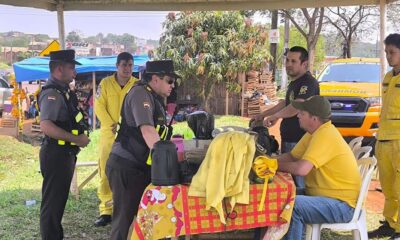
(332, 177)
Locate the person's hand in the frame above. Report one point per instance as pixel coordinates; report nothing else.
(114, 128)
(270, 121)
(82, 140)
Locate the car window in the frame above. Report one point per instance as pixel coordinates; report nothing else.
(351, 72)
(3, 84)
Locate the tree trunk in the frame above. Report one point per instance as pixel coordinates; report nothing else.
(311, 55)
(348, 53)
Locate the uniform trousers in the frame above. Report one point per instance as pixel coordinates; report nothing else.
(387, 153)
(57, 166)
(103, 191)
(127, 182)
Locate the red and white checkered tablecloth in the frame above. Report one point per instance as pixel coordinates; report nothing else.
(170, 212)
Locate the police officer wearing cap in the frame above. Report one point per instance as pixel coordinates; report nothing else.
(142, 124)
(63, 127)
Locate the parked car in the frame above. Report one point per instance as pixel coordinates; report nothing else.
(5, 93)
(354, 91)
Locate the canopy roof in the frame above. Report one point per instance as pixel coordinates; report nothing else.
(37, 68)
(180, 5)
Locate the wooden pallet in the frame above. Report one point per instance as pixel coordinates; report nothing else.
(9, 123)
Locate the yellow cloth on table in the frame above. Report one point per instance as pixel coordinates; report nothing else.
(265, 168)
(225, 171)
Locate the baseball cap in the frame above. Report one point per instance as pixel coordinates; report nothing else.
(316, 105)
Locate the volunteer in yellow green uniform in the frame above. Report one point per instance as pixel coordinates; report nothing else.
(388, 144)
(109, 98)
(331, 174)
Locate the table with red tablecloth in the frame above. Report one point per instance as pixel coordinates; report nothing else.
(170, 212)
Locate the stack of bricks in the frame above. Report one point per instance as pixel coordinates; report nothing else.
(269, 86)
(262, 84)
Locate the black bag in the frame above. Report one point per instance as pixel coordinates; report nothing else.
(187, 170)
(268, 142)
(202, 124)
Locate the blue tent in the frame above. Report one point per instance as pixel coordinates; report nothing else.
(37, 68)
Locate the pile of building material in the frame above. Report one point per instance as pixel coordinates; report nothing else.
(259, 90)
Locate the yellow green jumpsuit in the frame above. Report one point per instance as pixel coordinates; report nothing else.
(108, 103)
(388, 148)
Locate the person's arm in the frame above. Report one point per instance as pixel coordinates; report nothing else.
(286, 157)
(278, 107)
(299, 167)
(150, 135)
(100, 107)
(286, 112)
(53, 131)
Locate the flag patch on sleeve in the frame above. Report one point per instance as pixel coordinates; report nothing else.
(146, 104)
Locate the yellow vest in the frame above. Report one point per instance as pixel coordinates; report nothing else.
(389, 123)
(108, 101)
(335, 173)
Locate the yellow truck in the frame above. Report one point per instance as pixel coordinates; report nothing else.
(354, 91)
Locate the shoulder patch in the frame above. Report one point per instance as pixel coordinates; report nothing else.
(146, 104)
(303, 90)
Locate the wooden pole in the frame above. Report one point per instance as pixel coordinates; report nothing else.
(382, 8)
(93, 96)
(382, 37)
(242, 79)
(61, 27)
(226, 102)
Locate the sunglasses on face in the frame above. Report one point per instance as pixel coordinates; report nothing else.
(170, 80)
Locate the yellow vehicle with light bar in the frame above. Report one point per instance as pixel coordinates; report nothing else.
(354, 91)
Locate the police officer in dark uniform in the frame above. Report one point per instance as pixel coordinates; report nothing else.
(63, 127)
(142, 124)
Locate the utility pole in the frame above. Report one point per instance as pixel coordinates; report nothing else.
(285, 51)
(273, 46)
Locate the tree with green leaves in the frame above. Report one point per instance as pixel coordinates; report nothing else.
(309, 23)
(74, 36)
(297, 39)
(212, 47)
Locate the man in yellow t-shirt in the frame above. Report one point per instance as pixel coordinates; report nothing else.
(388, 145)
(332, 177)
(108, 102)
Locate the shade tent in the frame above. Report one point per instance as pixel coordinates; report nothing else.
(37, 68)
(181, 5)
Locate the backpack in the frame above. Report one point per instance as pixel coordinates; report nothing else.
(202, 124)
(268, 142)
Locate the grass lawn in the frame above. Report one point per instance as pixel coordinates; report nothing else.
(20, 180)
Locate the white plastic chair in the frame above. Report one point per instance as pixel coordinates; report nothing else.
(358, 223)
(355, 143)
(363, 152)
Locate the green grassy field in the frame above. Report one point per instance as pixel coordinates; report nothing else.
(20, 180)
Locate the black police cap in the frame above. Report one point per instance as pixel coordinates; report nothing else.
(163, 67)
(64, 56)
